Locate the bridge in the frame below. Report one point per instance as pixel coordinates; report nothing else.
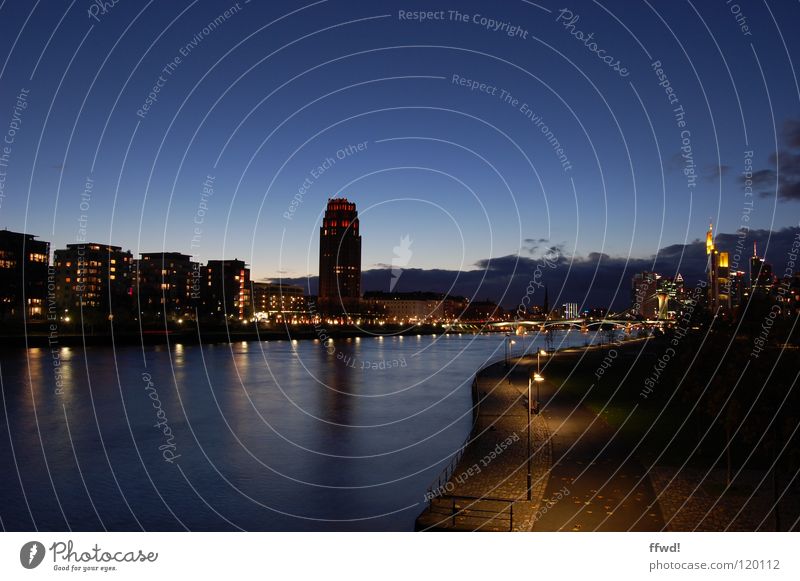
(582, 324)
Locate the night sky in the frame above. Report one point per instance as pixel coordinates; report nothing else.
(607, 134)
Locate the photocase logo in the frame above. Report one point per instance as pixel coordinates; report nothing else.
(31, 554)
(401, 258)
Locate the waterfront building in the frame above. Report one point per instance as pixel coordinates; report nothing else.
(225, 291)
(23, 276)
(95, 279)
(339, 258)
(163, 284)
(278, 302)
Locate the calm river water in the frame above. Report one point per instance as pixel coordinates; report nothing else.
(276, 435)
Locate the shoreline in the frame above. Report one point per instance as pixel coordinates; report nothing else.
(486, 485)
(204, 336)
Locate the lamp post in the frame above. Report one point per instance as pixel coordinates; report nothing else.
(529, 438)
(538, 379)
(538, 376)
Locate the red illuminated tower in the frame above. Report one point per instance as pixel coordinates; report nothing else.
(339, 258)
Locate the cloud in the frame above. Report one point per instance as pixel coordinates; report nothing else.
(714, 172)
(783, 175)
(596, 279)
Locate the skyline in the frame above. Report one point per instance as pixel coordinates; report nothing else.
(441, 141)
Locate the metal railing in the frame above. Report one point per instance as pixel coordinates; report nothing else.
(474, 513)
(447, 472)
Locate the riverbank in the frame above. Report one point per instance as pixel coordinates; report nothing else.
(631, 437)
(578, 473)
(42, 337)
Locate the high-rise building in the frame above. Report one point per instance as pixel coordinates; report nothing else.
(718, 270)
(761, 277)
(94, 278)
(339, 258)
(163, 283)
(23, 276)
(569, 310)
(226, 290)
(738, 290)
(644, 295)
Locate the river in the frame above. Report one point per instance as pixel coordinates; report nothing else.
(273, 435)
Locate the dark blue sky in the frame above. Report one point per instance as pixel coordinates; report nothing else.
(263, 97)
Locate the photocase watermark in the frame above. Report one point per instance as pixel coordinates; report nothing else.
(548, 504)
(206, 193)
(507, 98)
(548, 260)
(99, 8)
(52, 336)
(681, 331)
(94, 559)
(183, 52)
(606, 363)
(740, 18)
(776, 310)
(401, 259)
(744, 220)
(84, 205)
(473, 470)
(568, 20)
(317, 172)
(31, 554)
(169, 447)
(10, 137)
(679, 116)
(486, 22)
(346, 359)
(366, 364)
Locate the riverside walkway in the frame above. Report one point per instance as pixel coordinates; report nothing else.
(582, 477)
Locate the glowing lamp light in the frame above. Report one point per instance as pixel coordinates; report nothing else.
(538, 377)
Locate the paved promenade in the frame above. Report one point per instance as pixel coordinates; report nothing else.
(582, 478)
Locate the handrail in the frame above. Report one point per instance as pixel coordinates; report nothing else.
(447, 506)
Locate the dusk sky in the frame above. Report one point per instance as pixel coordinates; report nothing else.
(261, 96)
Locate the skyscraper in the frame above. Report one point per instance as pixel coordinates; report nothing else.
(644, 295)
(761, 278)
(719, 298)
(339, 258)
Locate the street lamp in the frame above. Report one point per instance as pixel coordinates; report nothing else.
(529, 438)
(537, 377)
(509, 343)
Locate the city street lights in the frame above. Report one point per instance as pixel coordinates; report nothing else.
(509, 343)
(529, 438)
(538, 377)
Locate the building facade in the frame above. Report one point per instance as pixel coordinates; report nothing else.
(644, 295)
(23, 276)
(277, 302)
(95, 279)
(163, 286)
(718, 270)
(226, 290)
(339, 258)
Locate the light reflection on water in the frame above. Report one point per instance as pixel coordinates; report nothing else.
(276, 435)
